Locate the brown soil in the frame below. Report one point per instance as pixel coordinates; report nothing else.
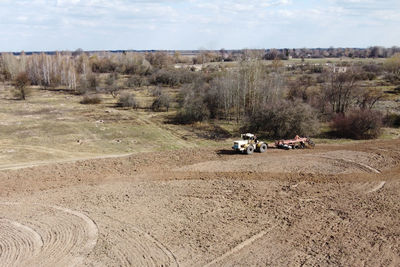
(333, 205)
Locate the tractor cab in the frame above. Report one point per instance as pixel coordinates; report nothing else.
(248, 136)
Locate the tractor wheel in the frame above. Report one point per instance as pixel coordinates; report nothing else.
(263, 148)
(249, 150)
(311, 143)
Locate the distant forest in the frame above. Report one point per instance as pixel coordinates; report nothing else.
(269, 54)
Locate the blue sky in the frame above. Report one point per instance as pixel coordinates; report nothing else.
(43, 25)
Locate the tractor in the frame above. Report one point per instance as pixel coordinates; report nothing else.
(249, 144)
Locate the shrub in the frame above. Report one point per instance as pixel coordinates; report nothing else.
(165, 77)
(172, 77)
(161, 101)
(93, 81)
(112, 86)
(283, 120)
(87, 84)
(91, 99)
(136, 80)
(392, 78)
(392, 120)
(21, 83)
(371, 76)
(83, 87)
(316, 69)
(364, 75)
(373, 68)
(111, 79)
(192, 101)
(156, 91)
(159, 59)
(193, 111)
(358, 124)
(103, 65)
(128, 100)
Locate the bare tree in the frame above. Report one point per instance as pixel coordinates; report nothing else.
(112, 85)
(368, 98)
(341, 89)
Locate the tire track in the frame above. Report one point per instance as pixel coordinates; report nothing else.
(92, 232)
(132, 246)
(244, 244)
(225, 258)
(358, 164)
(46, 235)
(368, 187)
(15, 235)
(377, 188)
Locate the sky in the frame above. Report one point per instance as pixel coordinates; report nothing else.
(49, 25)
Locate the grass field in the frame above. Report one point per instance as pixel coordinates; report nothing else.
(53, 125)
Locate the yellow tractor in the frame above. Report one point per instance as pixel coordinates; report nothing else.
(249, 144)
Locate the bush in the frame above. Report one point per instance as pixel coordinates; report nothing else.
(392, 120)
(93, 81)
(392, 78)
(192, 101)
(83, 87)
(103, 65)
(136, 80)
(161, 101)
(193, 111)
(128, 100)
(358, 124)
(21, 83)
(172, 77)
(165, 77)
(373, 68)
(112, 79)
(285, 119)
(91, 99)
(112, 86)
(316, 69)
(87, 84)
(371, 76)
(155, 91)
(364, 75)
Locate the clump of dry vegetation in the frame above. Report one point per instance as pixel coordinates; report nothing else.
(21, 83)
(358, 124)
(91, 99)
(128, 100)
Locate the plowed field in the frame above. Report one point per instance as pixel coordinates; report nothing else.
(332, 205)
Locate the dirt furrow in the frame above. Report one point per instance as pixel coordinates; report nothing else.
(57, 236)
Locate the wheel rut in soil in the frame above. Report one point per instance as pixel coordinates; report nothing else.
(33, 234)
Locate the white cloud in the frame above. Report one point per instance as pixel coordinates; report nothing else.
(150, 24)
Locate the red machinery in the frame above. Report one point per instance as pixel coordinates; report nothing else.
(297, 142)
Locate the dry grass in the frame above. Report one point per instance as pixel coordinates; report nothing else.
(53, 125)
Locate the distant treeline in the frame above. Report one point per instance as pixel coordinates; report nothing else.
(269, 54)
